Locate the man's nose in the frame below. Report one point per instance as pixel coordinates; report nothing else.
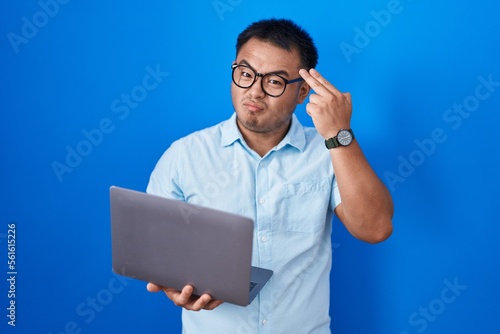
(256, 89)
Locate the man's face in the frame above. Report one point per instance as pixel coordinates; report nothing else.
(256, 111)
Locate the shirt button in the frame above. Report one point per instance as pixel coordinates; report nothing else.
(263, 238)
(262, 201)
(264, 322)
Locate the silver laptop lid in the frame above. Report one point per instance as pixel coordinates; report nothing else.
(173, 243)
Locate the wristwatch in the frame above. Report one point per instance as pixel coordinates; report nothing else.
(343, 138)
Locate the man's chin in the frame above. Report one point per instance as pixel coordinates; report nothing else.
(251, 123)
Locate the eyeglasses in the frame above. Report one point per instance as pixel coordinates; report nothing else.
(272, 84)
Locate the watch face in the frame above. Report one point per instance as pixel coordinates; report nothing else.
(344, 137)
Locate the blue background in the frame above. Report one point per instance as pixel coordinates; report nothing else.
(66, 78)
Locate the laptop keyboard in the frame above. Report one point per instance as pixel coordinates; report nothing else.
(252, 285)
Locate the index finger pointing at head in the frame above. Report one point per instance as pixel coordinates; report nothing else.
(319, 83)
(314, 83)
(315, 74)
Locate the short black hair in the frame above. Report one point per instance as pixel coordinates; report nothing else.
(284, 34)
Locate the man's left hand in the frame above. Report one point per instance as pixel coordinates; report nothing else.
(329, 108)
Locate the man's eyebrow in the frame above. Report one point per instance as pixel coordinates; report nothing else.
(280, 72)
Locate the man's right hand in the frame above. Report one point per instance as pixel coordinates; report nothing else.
(186, 299)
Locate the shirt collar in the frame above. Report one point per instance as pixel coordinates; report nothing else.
(295, 136)
(230, 132)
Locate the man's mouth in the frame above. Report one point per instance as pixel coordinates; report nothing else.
(255, 107)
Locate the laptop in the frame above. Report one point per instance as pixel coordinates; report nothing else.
(173, 243)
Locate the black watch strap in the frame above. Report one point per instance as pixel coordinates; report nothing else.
(334, 142)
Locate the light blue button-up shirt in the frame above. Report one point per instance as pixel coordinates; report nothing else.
(290, 193)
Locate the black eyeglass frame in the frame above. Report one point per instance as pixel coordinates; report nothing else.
(257, 74)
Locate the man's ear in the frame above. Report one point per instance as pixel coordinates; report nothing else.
(303, 92)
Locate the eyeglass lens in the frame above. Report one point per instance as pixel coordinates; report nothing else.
(245, 77)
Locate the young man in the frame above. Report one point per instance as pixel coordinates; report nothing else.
(272, 169)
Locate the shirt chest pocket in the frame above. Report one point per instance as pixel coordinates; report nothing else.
(305, 205)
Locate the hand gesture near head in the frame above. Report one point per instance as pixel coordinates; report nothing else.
(329, 108)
